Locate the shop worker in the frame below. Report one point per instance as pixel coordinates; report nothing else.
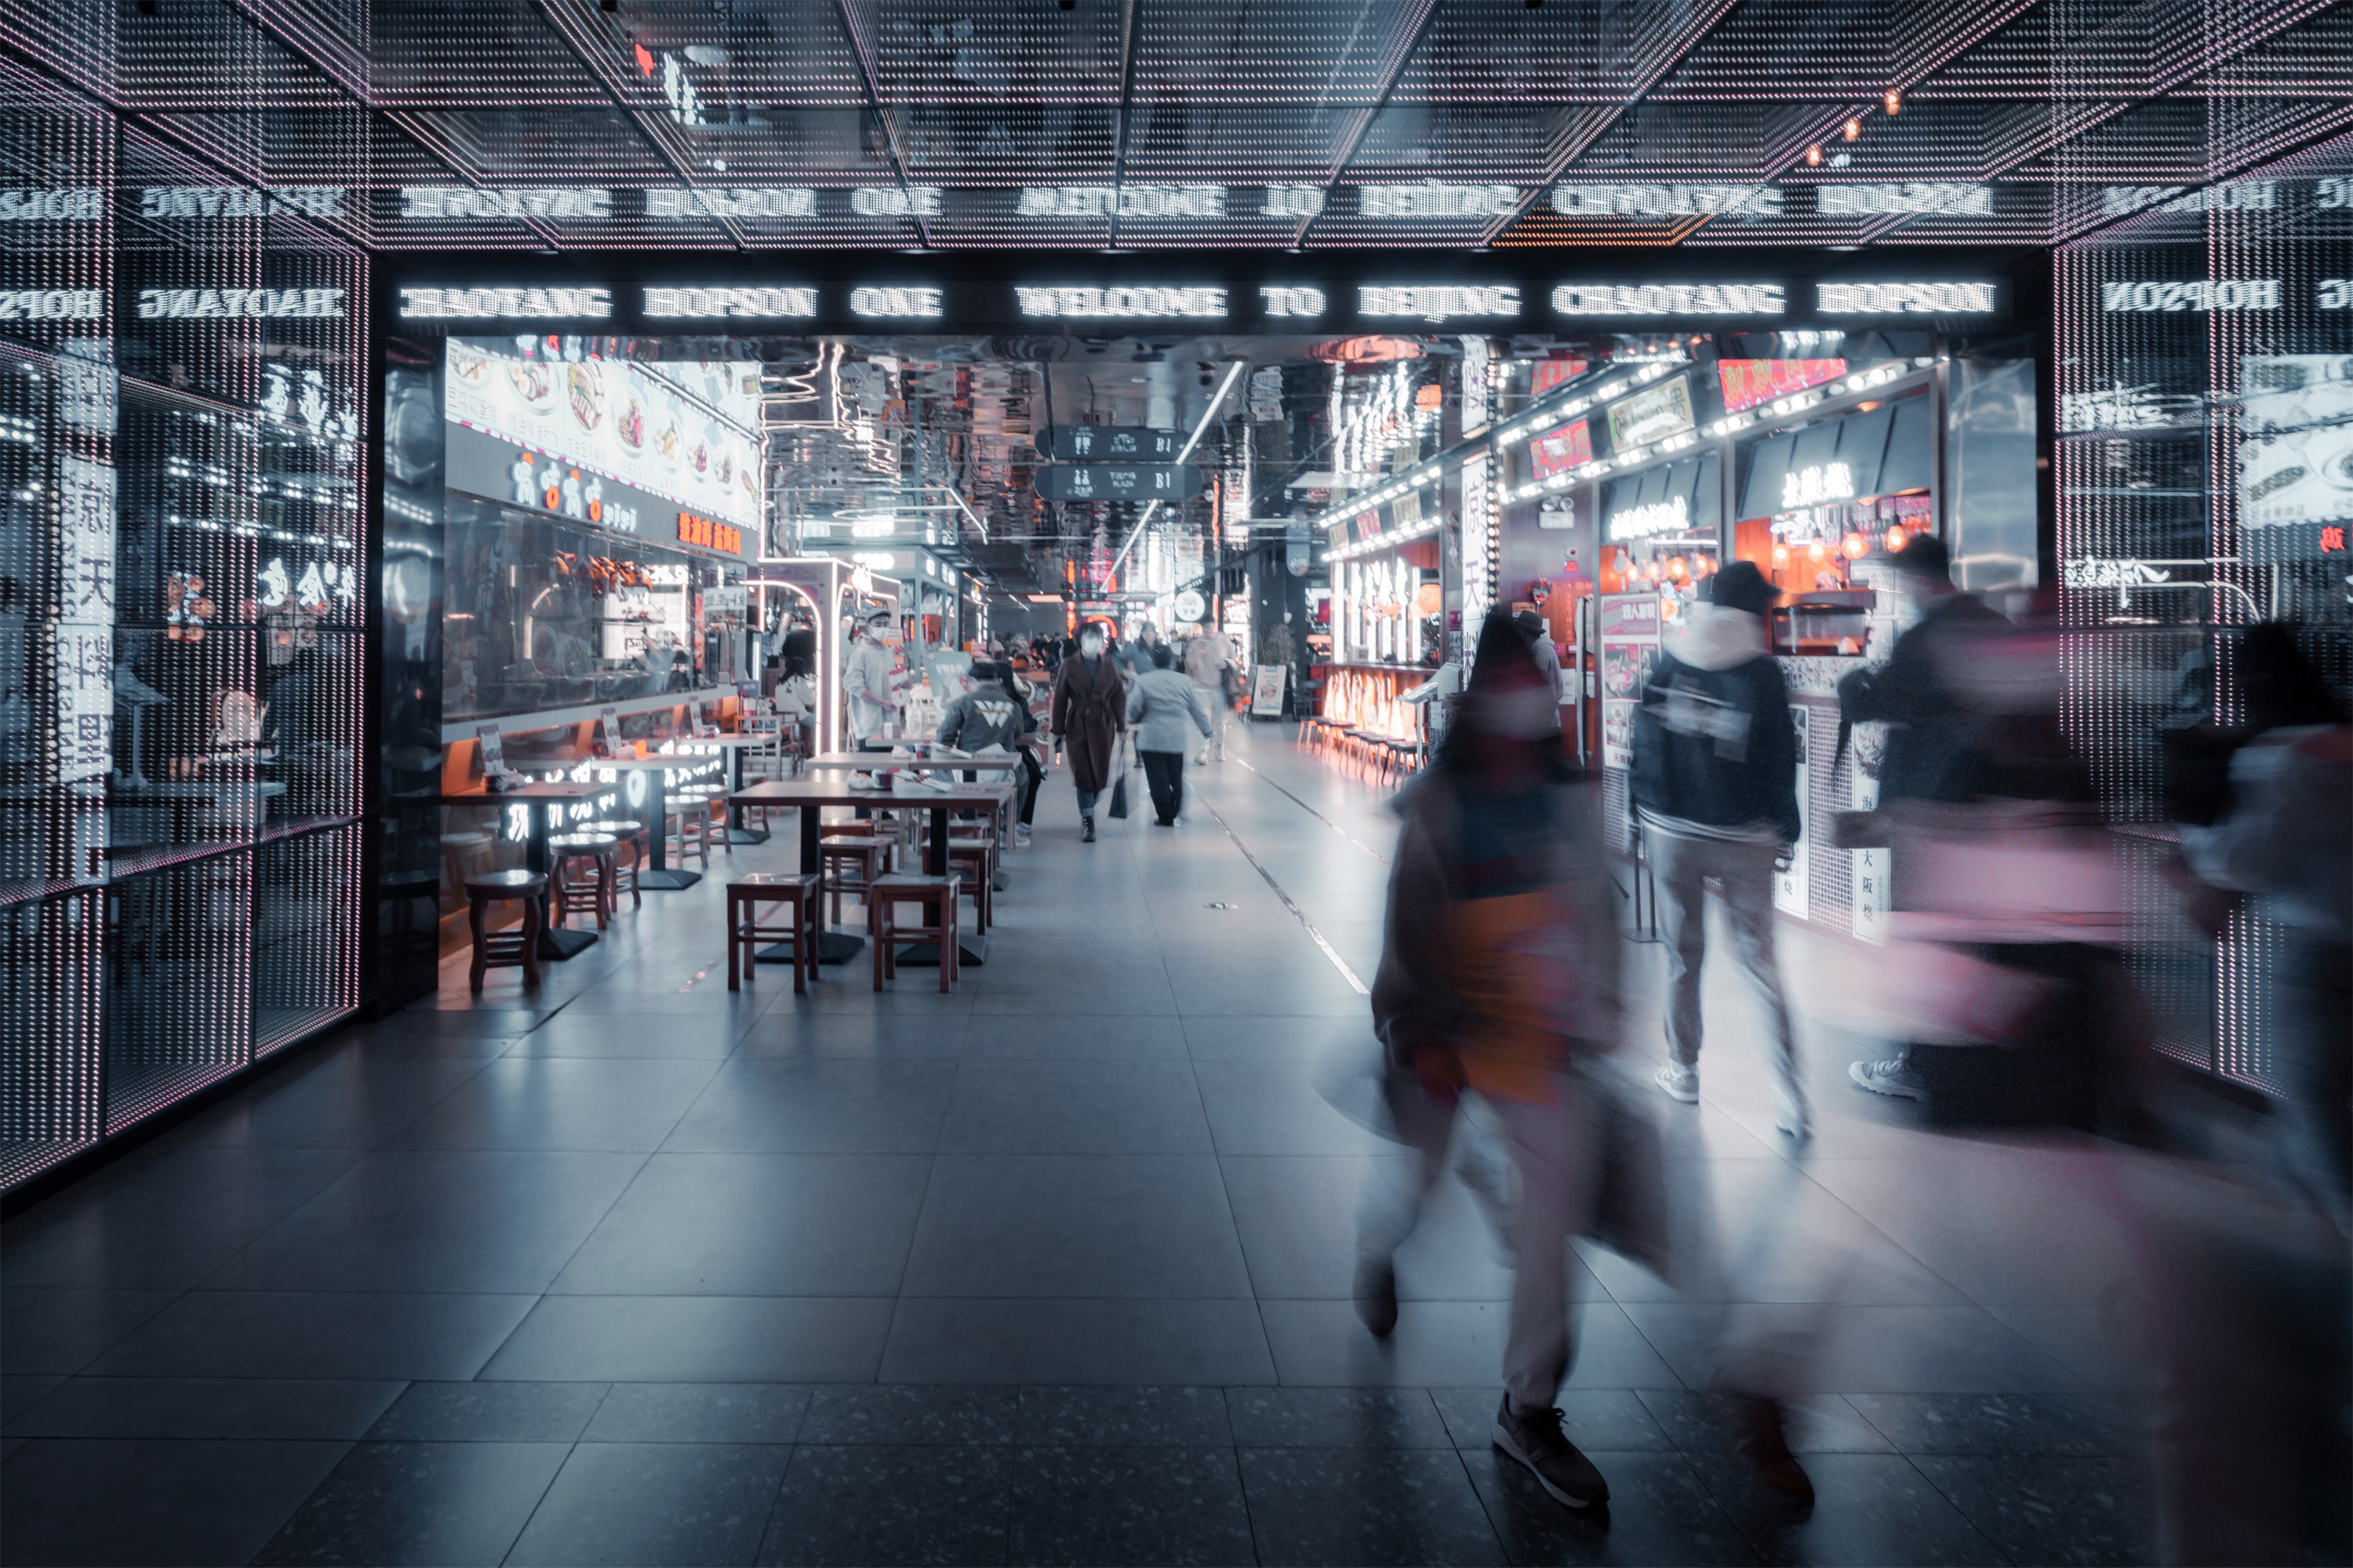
(867, 673)
(1090, 711)
(1714, 787)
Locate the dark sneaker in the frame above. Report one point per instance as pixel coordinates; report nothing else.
(1537, 1441)
(1761, 1439)
(1086, 829)
(1377, 1294)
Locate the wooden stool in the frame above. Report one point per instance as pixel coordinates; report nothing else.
(797, 891)
(972, 855)
(691, 807)
(716, 827)
(625, 877)
(868, 854)
(938, 896)
(506, 950)
(591, 895)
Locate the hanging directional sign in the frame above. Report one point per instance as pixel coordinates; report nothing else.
(1119, 482)
(1105, 443)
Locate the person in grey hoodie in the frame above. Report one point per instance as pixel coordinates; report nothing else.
(1714, 787)
(1158, 704)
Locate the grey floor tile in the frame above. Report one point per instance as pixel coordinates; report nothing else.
(490, 1413)
(1615, 1418)
(910, 1415)
(2040, 1507)
(1701, 1422)
(1312, 1038)
(1447, 1344)
(697, 1339)
(997, 1038)
(585, 1030)
(656, 1504)
(820, 1105)
(1869, 1509)
(315, 1334)
(2078, 1425)
(460, 1020)
(620, 1105)
(1870, 1349)
(755, 1224)
(1063, 1107)
(1337, 1418)
(1124, 1418)
(467, 1220)
(700, 1413)
(1076, 1225)
(240, 1409)
(1127, 1505)
(849, 1508)
(344, 1097)
(20, 1391)
(423, 1503)
(1296, 1215)
(1276, 1106)
(1076, 1341)
(65, 1331)
(8, 1446)
(1342, 1506)
(113, 1501)
(1657, 1512)
(876, 1036)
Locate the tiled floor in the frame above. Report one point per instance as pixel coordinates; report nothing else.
(1053, 1269)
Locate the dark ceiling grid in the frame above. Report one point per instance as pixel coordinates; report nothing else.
(1405, 33)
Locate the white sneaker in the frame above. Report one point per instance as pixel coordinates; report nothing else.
(1021, 832)
(1893, 1077)
(1681, 1083)
(1792, 1118)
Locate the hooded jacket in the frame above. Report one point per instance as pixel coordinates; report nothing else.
(1715, 755)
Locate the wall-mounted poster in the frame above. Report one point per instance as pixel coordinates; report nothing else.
(1793, 886)
(1648, 415)
(2297, 465)
(1562, 448)
(1630, 650)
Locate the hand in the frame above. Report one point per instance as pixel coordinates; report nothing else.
(1439, 1072)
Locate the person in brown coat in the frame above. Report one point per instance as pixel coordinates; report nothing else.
(1090, 711)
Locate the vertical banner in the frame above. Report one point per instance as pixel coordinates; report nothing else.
(1629, 650)
(1793, 888)
(84, 665)
(1873, 868)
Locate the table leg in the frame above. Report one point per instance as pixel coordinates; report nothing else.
(558, 942)
(971, 948)
(736, 834)
(662, 878)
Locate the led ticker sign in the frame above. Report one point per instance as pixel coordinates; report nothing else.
(775, 202)
(1292, 301)
(1664, 201)
(241, 201)
(2201, 295)
(52, 304)
(465, 201)
(666, 305)
(709, 534)
(79, 205)
(1436, 302)
(878, 301)
(1136, 302)
(1906, 299)
(1669, 300)
(504, 304)
(221, 305)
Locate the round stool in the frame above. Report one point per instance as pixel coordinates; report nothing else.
(505, 950)
(589, 895)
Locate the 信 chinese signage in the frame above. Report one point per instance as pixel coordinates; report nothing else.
(1370, 291)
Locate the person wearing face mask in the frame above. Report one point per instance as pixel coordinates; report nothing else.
(866, 681)
(1713, 785)
(1090, 712)
(1499, 977)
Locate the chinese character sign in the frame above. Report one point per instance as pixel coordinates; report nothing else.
(84, 659)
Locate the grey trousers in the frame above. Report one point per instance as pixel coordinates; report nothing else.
(1744, 869)
(1557, 1156)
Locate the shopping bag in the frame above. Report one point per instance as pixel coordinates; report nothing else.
(1632, 1214)
(1119, 794)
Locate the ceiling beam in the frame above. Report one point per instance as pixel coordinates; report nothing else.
(1132, 18)
(862, 47)
(1402, 45)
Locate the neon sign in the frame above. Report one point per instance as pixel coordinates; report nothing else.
(480, 304)
(2200, 294)
(1137, 302)
(220, 304)
(1672, 515)
(1668, 299)
(669, 303)
(874, 302)
(1905, 299)
(1813, 486)
(1436, 302)
(710, 534)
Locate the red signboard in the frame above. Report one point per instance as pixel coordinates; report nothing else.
(1562, 448)
(710, 535)
(1748, 382)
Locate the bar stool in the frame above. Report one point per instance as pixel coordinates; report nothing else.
(625, 877)
(584, 895)
(937, 896)
(840, 854)
(796, 890)
(691, 807)
(718, 820)
(505, 950)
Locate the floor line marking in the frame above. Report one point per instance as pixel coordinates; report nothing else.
(1317, 815)
(1296, 912)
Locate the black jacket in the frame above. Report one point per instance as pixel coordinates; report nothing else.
(1712, 742)
(1936, 742)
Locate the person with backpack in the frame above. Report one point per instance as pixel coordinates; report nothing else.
(1089, 713)
(1713, 787)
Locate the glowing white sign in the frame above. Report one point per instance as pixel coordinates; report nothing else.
(754, 302)
(464, 201)
(1136, 302)
(1863, 201)
(766, 203)
(1437, 302)
(523, 305)
(2334, 294)
(1664, 201)
(1124, 201)
(1431, 199)
(890, 201)
(2239, 196)
(1292, 301)
(216, 304)
(1292, 201)
(240, 201)
(1670, 516)
(1668, 299)
(1813, 486)
(52, 304)
(874, 302)
(52, 206)
(875, 560)
(1905, 299)
(2198, 294)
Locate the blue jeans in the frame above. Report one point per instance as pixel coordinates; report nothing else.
(1087, 799)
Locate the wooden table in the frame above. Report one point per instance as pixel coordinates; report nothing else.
(875, 761)
(811, 795)
(660, 877)
(555, 941)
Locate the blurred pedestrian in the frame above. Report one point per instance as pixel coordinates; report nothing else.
(1209, 661)
(1547, 657)
(1090, 714)
(1499, 976)
(1713, 785)
(1160, 704)
(1135, 654)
